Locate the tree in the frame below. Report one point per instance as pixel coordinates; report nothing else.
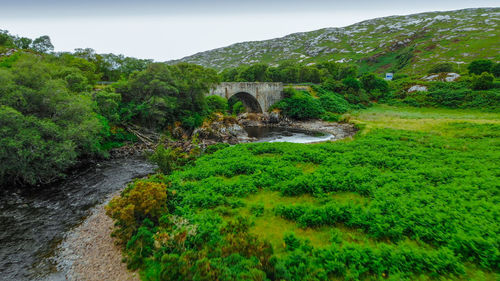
(22, 42)
(352, 84)
(254, 73)
(229, 75)
(217, 104)
(45, 123)
(32, 150)
(371, 82)
(479, 66)
(334, 103)
(348, 71)
(42, 44)
(300, 105)
(289, 72)
(495, 70)
(163, 94)
(483, 81)
(5, 39)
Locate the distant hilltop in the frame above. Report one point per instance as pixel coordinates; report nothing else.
(408, 44)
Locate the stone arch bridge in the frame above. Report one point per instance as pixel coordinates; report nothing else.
(256, 96)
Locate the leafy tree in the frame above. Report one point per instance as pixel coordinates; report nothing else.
(253, 73)
(108, 104)
(163, 94)
(352, 84)
(238, 108)
(483, 81)
(42, 44)
(22, 42)
(289, 72)
(370, 82)
(347, 71)
(217, 104)
(6, 39)
(32, 150)
(479, 66)
(56, 122)
(333, 102)
(495, 70)
(300, 105)
(229, 74)
(309, 74)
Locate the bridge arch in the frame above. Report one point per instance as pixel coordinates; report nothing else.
(249, 101)
(256, 96)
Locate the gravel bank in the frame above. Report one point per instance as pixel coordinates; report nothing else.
(89, 253)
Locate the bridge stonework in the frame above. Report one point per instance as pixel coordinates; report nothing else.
(264, 93)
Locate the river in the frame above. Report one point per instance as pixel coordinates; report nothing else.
(33, 222)
(282, 134)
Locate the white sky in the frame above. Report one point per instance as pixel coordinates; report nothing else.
(165, 36)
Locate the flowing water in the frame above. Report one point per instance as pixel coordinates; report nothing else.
(282, 134)
(33, 222)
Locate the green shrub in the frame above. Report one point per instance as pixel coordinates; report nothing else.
(299, 105)
(238, 108)
(108, 105)
(216, 147)
(171, 159)
(331, 117)
(479, 66)
(257, 209)
(495, 70)
(46, 121)
(141, 200)
(371, 83)
(483, 81)
(406, 205)
(442, 67)
(351, 84)
(333, 102)
(216, 104)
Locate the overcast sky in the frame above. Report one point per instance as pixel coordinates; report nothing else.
(164, 30)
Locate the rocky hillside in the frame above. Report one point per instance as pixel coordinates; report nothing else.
(408, 44)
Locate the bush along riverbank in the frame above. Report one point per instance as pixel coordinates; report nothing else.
(399, 204)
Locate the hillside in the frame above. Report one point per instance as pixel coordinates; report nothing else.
(397, 43)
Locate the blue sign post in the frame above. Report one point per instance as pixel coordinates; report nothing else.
(388, 76)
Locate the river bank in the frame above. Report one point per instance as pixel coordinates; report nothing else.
(34, 223)
(90, 253)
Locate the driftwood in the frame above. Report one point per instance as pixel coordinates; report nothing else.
(146, 136)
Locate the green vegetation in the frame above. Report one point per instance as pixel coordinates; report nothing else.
(300, 105)
(443, 67)
(54, 114)
(46, 120)
(413, 197)
(162, 95)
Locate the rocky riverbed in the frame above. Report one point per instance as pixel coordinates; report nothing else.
(231, 130)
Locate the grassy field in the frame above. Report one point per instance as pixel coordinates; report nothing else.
(414, 196)
(432, 120)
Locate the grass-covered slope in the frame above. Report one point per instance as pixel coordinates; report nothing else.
(413, 197)
(382, 44)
